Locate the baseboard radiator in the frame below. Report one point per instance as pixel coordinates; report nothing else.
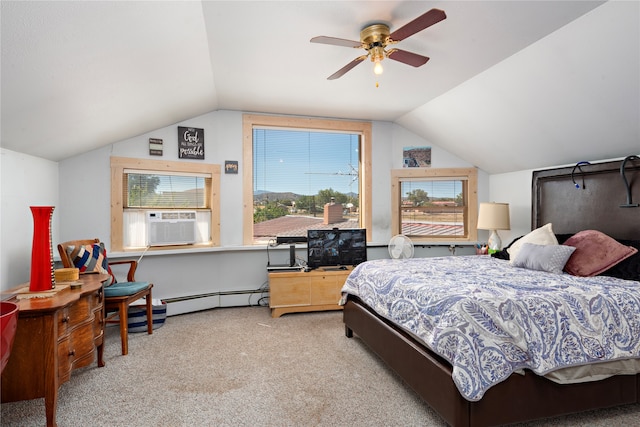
(192, 303)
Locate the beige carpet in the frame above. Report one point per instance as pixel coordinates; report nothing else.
(240, 367)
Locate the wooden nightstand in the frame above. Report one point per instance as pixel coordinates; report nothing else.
(316, 290)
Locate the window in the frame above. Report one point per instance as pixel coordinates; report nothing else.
(183, 190)
(297, 166)
(435, 204)
(165, 190)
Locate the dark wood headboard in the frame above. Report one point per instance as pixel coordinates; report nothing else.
(596, 205)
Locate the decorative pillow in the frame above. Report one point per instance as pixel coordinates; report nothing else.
(540, 236)
(595, 252)
(91, 258)
(629, 268)
(550, 258)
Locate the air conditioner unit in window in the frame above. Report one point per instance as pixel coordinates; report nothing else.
(171, 228)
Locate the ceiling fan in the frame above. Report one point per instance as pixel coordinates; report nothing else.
(376, 37)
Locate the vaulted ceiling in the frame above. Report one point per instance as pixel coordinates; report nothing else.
(510, 85)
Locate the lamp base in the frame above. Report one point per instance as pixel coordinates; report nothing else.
(494, 243)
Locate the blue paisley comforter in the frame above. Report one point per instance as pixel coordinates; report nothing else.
(490, 319)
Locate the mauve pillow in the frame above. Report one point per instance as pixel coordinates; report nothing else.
(595, 252)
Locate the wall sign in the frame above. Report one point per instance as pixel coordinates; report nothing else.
(231, 166)
(155, 147)
(190, 143)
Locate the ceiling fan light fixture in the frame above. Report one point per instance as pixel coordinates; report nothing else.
(377, 69)
(376, 38)
(377, 54)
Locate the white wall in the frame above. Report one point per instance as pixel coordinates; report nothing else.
(513, 188)
(83, 207)
(85, 196)
(25, 181)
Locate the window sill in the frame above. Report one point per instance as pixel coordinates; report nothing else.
(181, 251)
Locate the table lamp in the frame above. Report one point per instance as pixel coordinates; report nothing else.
(494, 216)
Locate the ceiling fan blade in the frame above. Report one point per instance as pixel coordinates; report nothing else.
(342, 71)
(408, 58)
(336, 41)
(420, 23)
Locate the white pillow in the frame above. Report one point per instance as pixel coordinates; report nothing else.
(540, 236)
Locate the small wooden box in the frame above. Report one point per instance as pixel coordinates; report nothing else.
(67, 274)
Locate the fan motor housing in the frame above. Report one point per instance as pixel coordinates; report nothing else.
(375, 38)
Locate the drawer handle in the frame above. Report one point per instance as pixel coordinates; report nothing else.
(72, 353)
(65, 319)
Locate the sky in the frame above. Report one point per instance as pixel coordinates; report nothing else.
(305, 162)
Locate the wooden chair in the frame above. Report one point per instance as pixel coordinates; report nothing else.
(117, 296)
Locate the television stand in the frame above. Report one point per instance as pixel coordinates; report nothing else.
(300, 291)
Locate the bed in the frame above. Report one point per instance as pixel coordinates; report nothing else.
(493, 382)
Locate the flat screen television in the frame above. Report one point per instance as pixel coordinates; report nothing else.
(336, 247)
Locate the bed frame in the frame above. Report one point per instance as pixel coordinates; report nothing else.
(555, 199)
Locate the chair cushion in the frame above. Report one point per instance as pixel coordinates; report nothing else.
(91, 258)
(122, 289)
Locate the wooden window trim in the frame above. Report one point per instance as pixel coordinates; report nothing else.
(469, 174)
(249, 121)
(119, 164)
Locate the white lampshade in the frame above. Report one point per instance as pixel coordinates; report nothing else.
(494, 216)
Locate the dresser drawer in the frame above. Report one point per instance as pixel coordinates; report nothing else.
(63, 319)
(76, 350)
(73, 315)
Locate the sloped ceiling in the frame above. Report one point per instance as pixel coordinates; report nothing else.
(511, 85)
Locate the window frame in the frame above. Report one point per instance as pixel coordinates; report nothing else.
(249, 121)
(118, 166)
(470, 175)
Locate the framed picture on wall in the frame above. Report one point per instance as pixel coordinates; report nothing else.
(155, 146)
(190, 143)
(231, 166)
(416, 157)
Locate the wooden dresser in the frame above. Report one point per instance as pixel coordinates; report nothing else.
(55, 335)
(298, 291)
